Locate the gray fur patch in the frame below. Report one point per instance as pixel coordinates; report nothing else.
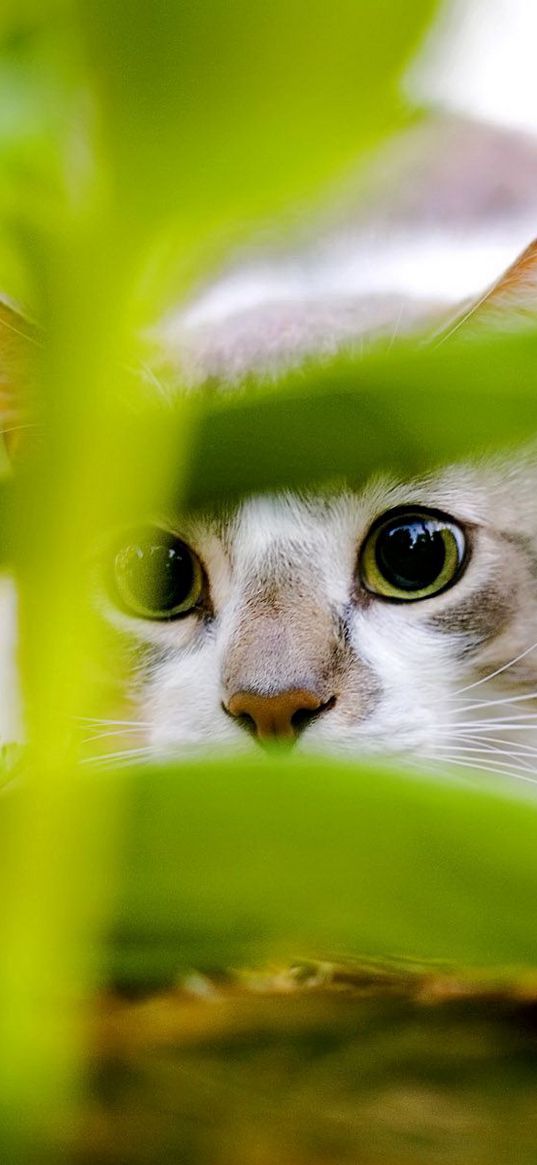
(477, 618)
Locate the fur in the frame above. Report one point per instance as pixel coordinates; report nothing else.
(288, 612)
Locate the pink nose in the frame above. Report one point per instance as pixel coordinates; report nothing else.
(279, 717)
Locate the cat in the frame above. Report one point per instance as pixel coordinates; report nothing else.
(401, 619)
(398, 620)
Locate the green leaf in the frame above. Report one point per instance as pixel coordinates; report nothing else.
(231, 862)
(405, 411)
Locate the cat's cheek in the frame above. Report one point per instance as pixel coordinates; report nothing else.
(403, 734)
(415, 670)
(176, 634)
(182, 703)
(476, 618)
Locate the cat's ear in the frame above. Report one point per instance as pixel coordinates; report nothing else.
(18, 338)
(509, 304)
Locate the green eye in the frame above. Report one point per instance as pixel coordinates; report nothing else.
(412, 554)
(156, 576)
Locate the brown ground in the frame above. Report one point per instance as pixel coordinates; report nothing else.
(316, 1066)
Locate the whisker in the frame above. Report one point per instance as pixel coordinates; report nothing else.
(124, 756)
(528, 749)
(485, 726)
(501, 702)
(490, 769)
(467, 742)
(109, 732)
(28, 336)
(486, 729)
(153, 378)
(98, 720)
(397, 326)
(494, 752)
(17, 428)
(485, 741)
(524, 719)
(498, 672)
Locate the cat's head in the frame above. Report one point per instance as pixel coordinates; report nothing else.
(354, 622)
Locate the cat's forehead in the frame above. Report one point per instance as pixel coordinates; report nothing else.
(299, 523)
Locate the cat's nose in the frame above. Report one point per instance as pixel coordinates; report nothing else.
(279, 717)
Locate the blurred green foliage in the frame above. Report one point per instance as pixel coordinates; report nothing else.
(406, 411)
(186, 122)
(222, 112)
(270, 860)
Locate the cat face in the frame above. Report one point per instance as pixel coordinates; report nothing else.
(348, 623)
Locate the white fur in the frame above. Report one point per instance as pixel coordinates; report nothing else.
(308, 548)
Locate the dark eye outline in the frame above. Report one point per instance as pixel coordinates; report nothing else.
(192, 604)
(368, 566)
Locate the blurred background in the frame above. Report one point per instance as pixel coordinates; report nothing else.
(441, 212)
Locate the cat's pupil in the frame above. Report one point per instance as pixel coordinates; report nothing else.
(410, 554)
(158, 575)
